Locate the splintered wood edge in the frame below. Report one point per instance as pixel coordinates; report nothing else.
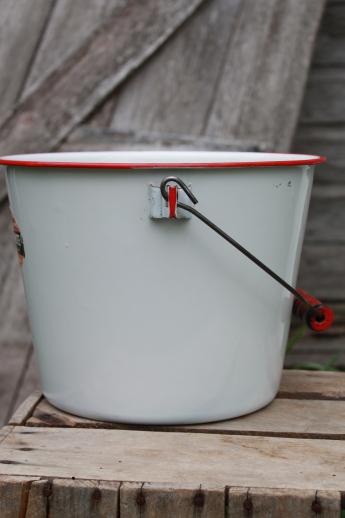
(25, 410)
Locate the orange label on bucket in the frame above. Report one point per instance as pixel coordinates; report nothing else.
(19, 241)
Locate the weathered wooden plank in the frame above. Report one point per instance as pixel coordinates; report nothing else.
(267, 50)
(84, 498)
(54, 29)
(282, 418)
(26, 408)
(322, 270)
(174, 91)
(238, 502)
(261, 503)
(322, 350)
(12, 368)
(32, 498)
(328, 504)
(102, 116)
(13, 318)
(264, 74)
(143, 500)
(96, 139)
(317, 358)
(326, 140)
(322, 139)
(326, 219)
(290, 503)
(333, 173)
(299, 384)
(29, 382)
(21, 26)
(65, 34)
(176, 458)
(44, 118)
(14, 493)
(330, 43)
(323, 101)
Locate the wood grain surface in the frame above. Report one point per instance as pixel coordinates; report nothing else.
(282, 418)
(54, 464)
(175, 457)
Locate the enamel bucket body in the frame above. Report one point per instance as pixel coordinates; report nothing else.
(158, 321)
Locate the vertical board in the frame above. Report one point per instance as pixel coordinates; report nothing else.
(29, 382)
(21, 26)
(30, 497)
(328, 504)
(237, 70)
(14, 492)
(324, 103)
(262, 85)
(330, 43)
(73, 498)
(70, 93)
(139, 500)
(25, 409)
(13, 363)
(327, 140)
(326, 221)
(277, 503)
(70, 25)
(175, 89)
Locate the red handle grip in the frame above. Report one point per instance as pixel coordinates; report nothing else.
(318, 318)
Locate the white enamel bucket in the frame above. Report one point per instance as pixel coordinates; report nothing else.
(158, 321)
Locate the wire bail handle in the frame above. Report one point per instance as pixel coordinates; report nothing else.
(317, 316)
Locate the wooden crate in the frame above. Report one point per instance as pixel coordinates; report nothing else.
(287, 460)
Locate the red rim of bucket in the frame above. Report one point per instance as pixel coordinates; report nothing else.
(312, 160)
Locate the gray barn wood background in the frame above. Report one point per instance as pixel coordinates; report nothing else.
(224, 74)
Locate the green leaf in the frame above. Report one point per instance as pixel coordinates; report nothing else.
(313, 366)
(329, 365)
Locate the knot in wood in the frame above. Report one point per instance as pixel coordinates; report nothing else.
(141, 499)
(248, 505)
(96, 495)
(199, 499)
(47, 489)
(316, 507)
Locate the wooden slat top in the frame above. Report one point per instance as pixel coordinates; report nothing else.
(309, 405)
(296, 442)
(300, 384)
(209, 459)
(282, 418)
